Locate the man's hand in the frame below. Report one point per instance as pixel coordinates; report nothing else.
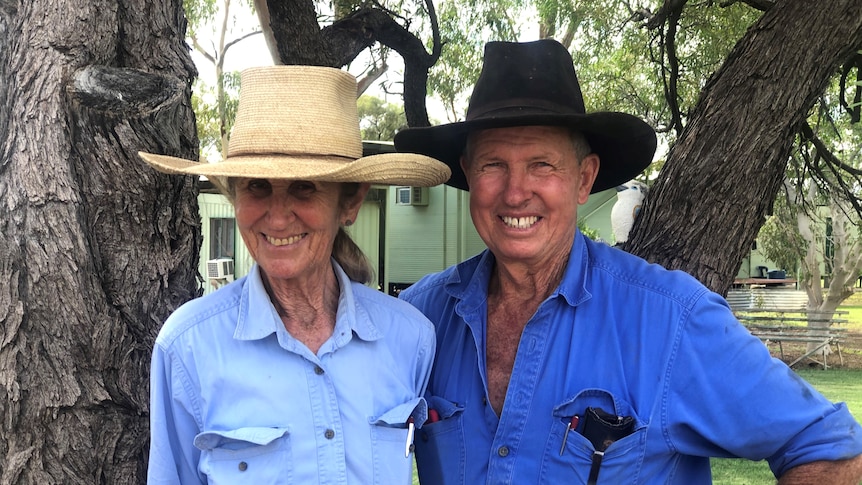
(843, 472)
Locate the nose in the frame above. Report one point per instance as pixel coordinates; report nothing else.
(280, 208)
(517, 188)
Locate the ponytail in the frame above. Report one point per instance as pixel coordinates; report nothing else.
(351, 259)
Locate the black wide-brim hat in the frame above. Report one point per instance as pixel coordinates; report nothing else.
(534, 84)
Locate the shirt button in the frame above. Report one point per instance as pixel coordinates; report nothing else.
(318, 370)
(243, 466)
(329, 434)
(503, 451)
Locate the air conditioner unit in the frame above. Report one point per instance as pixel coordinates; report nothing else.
(221, 268)
(411, 196)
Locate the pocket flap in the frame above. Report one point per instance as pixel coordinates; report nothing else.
(238, 438)
(594, 398)
(397, 416)
(445, 408)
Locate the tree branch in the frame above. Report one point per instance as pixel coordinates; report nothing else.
(762, 5)
(666, 22)
(835, 166)
(368, 25)
(297, 34)
(371, 76)
(659, 18)
(854, 108)
(808, 135)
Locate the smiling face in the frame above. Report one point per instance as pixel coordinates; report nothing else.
(525, 187)
(289, 225)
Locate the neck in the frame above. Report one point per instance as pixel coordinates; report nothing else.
(307, 308)
(517, 281)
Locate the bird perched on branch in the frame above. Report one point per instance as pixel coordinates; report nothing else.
(630, 196)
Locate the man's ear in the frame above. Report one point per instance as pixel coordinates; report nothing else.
(463, 163)
(589, 170)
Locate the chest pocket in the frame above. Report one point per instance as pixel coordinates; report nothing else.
(440, 444)
(393, 453)
(245, 455)
(569, 454)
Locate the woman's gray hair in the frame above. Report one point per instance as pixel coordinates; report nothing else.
(344, 250)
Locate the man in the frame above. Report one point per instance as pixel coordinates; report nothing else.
(562, 360)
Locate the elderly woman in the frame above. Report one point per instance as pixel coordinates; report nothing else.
(296, 373)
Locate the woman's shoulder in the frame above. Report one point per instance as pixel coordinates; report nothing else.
(377, 303)
(218, 305)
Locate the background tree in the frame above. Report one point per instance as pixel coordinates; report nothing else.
(814, 222)
(780, 240)
(724, 171)
(96, 249)
(379, 120)
(213, 30)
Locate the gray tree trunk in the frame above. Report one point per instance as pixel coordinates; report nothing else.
(96, 249)
(720, 179)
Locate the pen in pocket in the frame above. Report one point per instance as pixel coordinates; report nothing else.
(410, 429)
(573, 424)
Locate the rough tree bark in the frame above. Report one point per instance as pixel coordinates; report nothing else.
(721, 177)
(96, 249)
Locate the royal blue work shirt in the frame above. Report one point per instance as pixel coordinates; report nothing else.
(632, 339)
(236, 399)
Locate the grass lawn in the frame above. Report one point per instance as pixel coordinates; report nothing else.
(836, 384)
(854, 318)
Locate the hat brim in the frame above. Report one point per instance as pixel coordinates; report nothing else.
(624, 143)
(384, 169)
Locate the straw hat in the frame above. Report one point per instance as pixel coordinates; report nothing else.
(301, 123)
(534, 83)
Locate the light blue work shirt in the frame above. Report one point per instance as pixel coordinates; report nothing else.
(632, 339)
(236, 399)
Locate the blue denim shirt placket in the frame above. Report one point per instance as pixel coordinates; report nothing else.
(518, 406)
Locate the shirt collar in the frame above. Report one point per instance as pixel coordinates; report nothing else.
(258, 317)
(351, 317)
(469, 282)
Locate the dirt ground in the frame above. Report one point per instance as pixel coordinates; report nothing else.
(851, 353)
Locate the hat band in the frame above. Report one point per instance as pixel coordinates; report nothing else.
(322, 158)
(521, 106)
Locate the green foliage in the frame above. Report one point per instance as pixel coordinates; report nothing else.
(215, 105)
(199, 13)
(465, 27)
(379, 120)
(588, 231)
(207, 118)
(780, 240)
(209, 110)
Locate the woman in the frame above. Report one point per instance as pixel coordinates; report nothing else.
(297, 373)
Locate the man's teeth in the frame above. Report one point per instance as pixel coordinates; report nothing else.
(283, 242)
(520, 222)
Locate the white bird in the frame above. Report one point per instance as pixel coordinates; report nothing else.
(630, 196)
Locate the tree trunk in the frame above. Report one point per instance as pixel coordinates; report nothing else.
(96, 248)
(722, 175)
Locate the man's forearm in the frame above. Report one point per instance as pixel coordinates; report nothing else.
(843, 472)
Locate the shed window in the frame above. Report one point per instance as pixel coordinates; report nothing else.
(222, 232)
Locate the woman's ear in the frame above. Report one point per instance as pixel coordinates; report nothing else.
(352, 205)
